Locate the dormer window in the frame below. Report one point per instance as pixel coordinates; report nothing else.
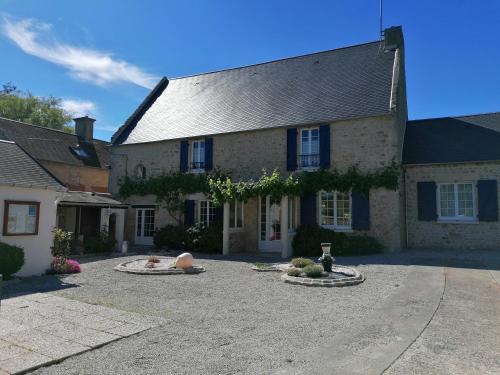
(198, 156)
(309, 149)
(140, 172)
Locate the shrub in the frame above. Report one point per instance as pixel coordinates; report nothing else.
(99, 244)
(11, 259)
(61, 265)
(308, 239)
(205, 239)
(313, 270)
(301, 262)
(62, 243)
(153, 259)
(171, 237)
(294, 272)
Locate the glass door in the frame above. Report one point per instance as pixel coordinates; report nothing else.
(269, 224)
(145, 226)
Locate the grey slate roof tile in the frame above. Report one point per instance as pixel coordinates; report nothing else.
(453, 140)
(53, 145)
(326, 86)
(89, 199)
(17, 168)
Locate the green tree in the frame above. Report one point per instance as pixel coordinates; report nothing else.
(25, 107)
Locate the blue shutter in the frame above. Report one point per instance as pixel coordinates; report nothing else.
(291, 149)
(324, 146)
(209, 154)
(360, 211)
(308, 209)
(487, 200)
(184, 155)
(426, 196)
(188, 213)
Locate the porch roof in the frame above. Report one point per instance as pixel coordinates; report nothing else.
(80, 198)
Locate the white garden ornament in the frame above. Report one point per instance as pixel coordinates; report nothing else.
(185, 260)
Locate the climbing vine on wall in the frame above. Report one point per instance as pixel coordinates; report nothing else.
(169, 189)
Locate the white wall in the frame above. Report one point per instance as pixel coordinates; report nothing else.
(120, 223)
(36, 247)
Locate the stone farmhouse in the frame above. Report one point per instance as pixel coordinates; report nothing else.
(331, 110)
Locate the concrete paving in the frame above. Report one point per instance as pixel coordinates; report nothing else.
(40, 329)
(464, 335)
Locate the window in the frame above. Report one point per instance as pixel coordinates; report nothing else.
(236, 214)
(335, 209)
(309, 148)
(198, 156)
(205, 212)
(21, 218)
(140, 172)
(456, 201)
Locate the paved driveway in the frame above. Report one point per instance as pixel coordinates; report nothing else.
(417, 312)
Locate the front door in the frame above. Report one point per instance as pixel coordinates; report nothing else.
(144, 226)
(270, 224)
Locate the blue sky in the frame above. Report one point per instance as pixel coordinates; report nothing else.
(101, 57)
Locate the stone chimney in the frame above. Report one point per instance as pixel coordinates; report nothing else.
(393, 38)
(84, 128)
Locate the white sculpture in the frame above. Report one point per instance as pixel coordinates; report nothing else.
(185, 260)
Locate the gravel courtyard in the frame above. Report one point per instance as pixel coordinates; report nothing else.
(232, 320)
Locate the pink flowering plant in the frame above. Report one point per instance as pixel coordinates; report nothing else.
(64, 265)
(60, 251)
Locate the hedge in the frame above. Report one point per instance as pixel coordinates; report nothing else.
(196, 238)
(11, 259)
(308, 239)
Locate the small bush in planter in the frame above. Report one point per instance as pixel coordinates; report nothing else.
(301, 262)
(153, 259)
(313, 270)
(11, 259)
(295, 272)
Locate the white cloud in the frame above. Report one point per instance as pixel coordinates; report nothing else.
(78, 107)
(90, 65)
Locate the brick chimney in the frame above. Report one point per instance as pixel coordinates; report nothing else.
(84, 128)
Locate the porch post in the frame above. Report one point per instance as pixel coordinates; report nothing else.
(225, 230)
(284, 227)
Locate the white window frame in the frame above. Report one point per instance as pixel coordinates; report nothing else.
(234, 225)
(301, 151)
(456, 217)
(210, 206)
(199, 157)
(335, 226)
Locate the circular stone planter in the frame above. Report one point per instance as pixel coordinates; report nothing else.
(164, 267)
(341, 276)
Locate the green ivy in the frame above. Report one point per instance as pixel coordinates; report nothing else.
(169, 189)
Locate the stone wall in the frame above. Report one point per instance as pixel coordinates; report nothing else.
(434, 234)
(368, 143)
(80, 178)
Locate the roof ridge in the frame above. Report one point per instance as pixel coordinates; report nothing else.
(455, 116)
(273, 61)
(46, 128)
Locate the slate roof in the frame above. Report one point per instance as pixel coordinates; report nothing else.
(89, 199)
(339, 84)
(453, 139)
(17, 168)
(53, 145)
